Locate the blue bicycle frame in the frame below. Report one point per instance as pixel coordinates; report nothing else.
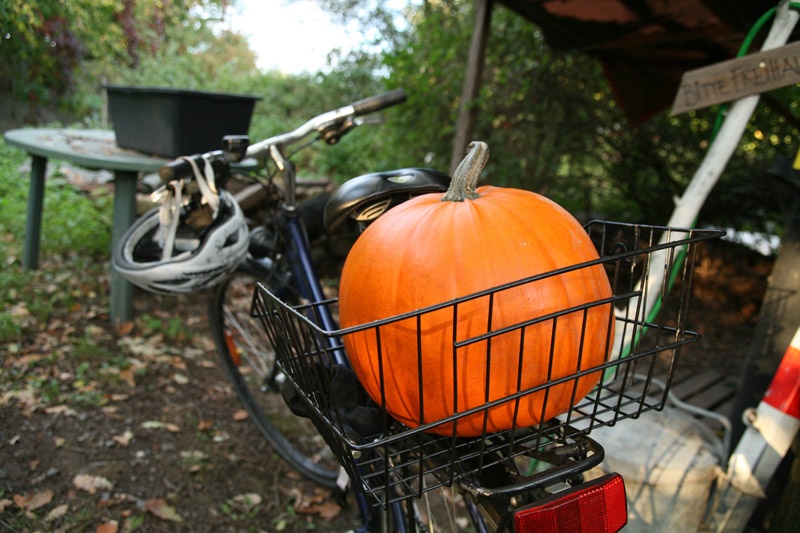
(309, 287)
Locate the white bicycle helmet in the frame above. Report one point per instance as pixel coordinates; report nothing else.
(169, 251)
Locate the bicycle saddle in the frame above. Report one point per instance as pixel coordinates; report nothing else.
(363, 199)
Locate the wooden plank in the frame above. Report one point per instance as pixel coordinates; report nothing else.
(696, 384)
(736, 78)
(472, 81)
(712, 397)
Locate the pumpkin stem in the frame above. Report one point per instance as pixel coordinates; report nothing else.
(465, 178)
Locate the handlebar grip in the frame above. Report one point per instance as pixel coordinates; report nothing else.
(180, 168)
(378, 102)
(175, 170)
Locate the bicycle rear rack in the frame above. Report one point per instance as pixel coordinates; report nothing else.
(391, 461)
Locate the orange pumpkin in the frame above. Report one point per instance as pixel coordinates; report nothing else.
(432, 249)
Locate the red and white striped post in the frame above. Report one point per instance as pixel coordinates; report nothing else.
(771, 427)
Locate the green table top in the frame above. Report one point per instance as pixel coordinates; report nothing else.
(96, 149)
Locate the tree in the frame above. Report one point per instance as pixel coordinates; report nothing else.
(60, 50)
(553, 126)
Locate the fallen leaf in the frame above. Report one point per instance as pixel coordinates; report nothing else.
(240, 415)
(193, 455)
(128, 376)
(108, 527)
(5, 503)
(328, 510)
(91, 483)
(180, 379)
(160, 508)
(57, 512)
(192, 353)
(205, 425)
(123, 439)
(21, 501)
(125, 328)
(247, 501)
(60, 410)
(40, 499)
(155, 424)
(25, 360)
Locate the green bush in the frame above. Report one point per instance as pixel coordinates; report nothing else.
(76, 238)
(71, 220)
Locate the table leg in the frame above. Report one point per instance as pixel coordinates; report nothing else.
(33, 222)
(124, 216)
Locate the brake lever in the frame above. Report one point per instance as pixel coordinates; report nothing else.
(333, 133)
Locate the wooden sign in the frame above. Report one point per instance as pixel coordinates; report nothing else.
(736, 78)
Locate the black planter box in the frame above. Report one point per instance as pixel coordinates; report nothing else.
(174, 122)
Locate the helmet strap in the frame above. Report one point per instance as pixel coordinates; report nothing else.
(206, 182)
(169, 217)
(171, 204)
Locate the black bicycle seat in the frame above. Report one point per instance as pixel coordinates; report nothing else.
(361, 200)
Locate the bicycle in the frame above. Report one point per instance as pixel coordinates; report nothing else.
(500, 477)
(510, 479)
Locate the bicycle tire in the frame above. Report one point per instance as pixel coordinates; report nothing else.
(249, 362)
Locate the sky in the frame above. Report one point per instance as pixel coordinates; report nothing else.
(291, 36)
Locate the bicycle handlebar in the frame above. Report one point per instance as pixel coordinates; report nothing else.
(337, 118)
(381, 101)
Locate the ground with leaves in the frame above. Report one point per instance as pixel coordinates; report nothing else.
(135, 428)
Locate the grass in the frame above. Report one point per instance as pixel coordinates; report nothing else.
(76, 238)
(44, 312)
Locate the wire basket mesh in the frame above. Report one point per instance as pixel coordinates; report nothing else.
(649, 271)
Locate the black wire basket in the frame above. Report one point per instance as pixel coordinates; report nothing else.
(649, 270)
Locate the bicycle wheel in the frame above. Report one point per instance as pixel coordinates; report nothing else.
(444, 509)
(249, 362)
(441, 510)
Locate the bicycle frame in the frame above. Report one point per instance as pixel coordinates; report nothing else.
(300, 260)
(308, 285)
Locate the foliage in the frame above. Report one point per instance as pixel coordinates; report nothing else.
(76, 230)
(553, 126)
(549, 117)
(66, 48)
(71, 219)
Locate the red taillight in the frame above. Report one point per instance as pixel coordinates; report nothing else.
(598, 506)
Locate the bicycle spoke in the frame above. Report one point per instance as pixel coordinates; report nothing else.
(249, 361)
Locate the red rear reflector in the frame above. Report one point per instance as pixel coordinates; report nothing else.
(598, 506)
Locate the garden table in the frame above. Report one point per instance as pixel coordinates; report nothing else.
(93, 149)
